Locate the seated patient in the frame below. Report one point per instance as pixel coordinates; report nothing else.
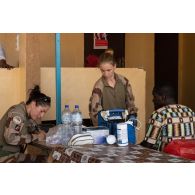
(169, 121)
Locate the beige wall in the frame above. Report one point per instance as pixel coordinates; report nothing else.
(187, 69)
(10, 88)
(139, 53)
(29, 59)
(47, 49)
(72, 49)
(77, 85)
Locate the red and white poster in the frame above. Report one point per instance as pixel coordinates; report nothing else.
(100, 41)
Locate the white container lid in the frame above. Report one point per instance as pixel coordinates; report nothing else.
(111, 139)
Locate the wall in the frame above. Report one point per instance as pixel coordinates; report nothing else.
(29, 62)
(139, 53)
(187, 69)
(77, 85)
(10, 88)
(72, 49)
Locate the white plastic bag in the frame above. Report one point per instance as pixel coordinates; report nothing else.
(59, 134)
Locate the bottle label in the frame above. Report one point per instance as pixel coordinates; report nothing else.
(66, 118)
(122, 134)
(76, 117)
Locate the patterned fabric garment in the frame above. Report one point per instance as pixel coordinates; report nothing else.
(105, 97)
(169, 123)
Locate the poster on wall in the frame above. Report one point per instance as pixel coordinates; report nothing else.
(100, 41)
(116, 41)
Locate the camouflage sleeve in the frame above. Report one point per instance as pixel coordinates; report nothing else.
(95, 105)
(16, 132)
(130, 99)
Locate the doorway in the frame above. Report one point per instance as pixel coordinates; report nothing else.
(166, 60)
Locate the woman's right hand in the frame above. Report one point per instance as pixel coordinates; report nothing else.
(41, 135)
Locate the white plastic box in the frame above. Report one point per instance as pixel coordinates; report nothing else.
(98, 133)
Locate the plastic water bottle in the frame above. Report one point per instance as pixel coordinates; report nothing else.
(66, 129)
(77, 120)
(66, 116)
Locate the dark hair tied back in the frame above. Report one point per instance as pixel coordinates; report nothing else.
(40, 98)
(36, 89)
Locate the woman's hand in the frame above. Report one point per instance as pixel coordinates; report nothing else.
(41, 135)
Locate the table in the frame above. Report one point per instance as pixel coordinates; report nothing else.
(108, 154)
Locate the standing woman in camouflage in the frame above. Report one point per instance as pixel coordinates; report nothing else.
(111, 91)
(18, 127)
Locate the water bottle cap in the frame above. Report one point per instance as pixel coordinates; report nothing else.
(76, 106)
(66, 106)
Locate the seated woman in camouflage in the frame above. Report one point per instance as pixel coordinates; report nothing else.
(18, 127)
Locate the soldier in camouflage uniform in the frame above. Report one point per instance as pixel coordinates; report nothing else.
(18, 127)
(111, 91)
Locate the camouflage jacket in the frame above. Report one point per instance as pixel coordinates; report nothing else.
(105, 97)
(15, 129)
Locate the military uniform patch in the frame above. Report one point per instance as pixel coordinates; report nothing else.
(17, 128)
(17, 120)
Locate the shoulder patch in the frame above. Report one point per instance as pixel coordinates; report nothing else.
(17, 120)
